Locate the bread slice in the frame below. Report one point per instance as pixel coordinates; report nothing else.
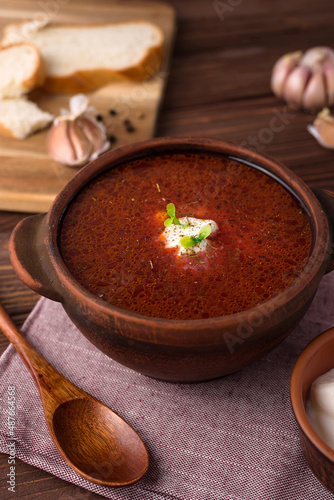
(21, 69)
(20, 118)
(82, 58)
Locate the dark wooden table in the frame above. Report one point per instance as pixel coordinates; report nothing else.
(219, 87)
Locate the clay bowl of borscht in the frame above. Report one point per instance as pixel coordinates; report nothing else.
(184, 259)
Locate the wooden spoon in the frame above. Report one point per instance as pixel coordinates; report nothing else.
(97, 443)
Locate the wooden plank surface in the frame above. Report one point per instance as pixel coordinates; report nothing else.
(29, 179)
(218, 86)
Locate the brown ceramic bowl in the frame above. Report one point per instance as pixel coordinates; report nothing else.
(173, 350)
(316, 359)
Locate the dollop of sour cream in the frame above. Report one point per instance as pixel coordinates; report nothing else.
(320, 407)
(173, 234)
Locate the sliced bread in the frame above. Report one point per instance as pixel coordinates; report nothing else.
(20, 118)
(21, 69)
(82, 58)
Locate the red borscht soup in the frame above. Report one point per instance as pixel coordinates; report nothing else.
(111, 237)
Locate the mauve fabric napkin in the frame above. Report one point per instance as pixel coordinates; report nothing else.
(229, 439)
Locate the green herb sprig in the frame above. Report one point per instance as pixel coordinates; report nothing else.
(191, 241)
(170, 209)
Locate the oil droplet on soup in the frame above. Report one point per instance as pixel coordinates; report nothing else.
(110, 238)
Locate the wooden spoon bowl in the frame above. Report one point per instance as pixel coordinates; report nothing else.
(94, 441)
(73, 422)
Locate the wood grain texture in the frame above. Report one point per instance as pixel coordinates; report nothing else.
(218, 86)
(29, 179)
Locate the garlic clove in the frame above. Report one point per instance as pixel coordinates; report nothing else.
(58, 144)
(295, 85)
(315, 95)
(282, 69)
(323, 129)
(329, 79)
(67, 143)
(82, 147)
(317, 57)
(95, 133)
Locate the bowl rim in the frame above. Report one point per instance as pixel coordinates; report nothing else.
(296, 396)
(316, 262)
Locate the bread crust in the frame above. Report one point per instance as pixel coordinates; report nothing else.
(7, 132)
(37, 76)
(89, 80)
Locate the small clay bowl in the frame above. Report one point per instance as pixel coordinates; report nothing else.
(174, 350)
(316, 359)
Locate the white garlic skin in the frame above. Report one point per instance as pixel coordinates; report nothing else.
(305, 81)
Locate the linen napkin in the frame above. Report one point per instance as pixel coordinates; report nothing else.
(234, 438)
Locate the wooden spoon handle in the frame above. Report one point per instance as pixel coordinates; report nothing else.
(48, 380)
(31, 358)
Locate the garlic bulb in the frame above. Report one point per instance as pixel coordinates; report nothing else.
(306, 80)
(76, 137)
(323, 129)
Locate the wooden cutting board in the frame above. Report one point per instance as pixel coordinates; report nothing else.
(29, 179)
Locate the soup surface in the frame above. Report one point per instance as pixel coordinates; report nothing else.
(111, 237)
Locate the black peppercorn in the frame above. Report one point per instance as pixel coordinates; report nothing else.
(128, 125)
